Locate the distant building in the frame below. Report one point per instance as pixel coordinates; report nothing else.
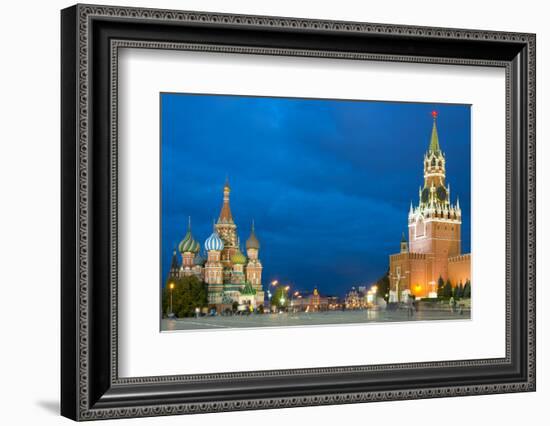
(433, 249)
(356, 298)
(314, 302)
(230, 275)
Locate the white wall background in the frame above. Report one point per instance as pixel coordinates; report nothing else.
(30, 228)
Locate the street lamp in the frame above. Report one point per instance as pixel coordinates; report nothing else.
(171, 287)
(274, 283)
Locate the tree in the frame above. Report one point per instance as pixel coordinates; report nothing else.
(279, 299)
(447, 289)
(457, 292)
(383, 285)
(467, 291)
(440, 286)
(188, 294)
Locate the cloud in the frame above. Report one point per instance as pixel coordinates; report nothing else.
(328, 183)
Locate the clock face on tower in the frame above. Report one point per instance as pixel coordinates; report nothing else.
(425, 195)
(441, 193)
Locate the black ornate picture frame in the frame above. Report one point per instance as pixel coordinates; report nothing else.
(90, 38)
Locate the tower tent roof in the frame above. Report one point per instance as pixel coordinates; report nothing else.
(434, 141)
(225, 213)
(248, 290)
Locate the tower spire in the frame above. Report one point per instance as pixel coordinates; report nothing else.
(225, 214)
(434, 141)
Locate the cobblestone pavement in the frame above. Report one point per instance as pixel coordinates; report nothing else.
(305, 319)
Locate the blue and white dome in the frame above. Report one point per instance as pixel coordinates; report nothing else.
(213, 242)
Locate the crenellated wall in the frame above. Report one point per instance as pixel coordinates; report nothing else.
(459, 269)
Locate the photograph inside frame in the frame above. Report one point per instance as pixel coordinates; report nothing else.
(280, 212)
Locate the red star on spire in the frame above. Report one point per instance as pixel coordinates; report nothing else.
(434, 114)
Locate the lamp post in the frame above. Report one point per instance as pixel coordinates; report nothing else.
(171, 287)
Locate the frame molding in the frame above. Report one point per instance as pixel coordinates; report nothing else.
(91, 37)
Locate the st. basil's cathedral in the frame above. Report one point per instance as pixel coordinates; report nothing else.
(230, 275)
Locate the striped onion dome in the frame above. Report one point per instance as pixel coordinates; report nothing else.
(238, 258)
(199, 260)
(213, 242)
(188, 244)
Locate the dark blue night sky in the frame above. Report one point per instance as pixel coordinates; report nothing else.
(328, 182)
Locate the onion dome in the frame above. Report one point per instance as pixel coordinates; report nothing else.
(238, 258)
(213, 242)
(188, 244)
(199, 260)
(252, 242)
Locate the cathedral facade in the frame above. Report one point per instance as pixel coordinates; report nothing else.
(231, 276)
(433, 248)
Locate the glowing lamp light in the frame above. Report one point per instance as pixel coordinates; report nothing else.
(171, 286)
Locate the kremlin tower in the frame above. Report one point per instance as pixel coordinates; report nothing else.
(434, 227)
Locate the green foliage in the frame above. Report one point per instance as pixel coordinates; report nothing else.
(440, 287)
(467, 290)
(188, 294)
(458, 291)
(447, 291)
(280, 298)
(383, 285)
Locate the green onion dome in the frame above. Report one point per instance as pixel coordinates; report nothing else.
(188, 244)
(238, 258)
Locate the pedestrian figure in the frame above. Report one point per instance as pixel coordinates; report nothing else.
(410, 307)
(452, 304)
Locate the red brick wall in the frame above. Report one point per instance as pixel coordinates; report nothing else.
(460, 269)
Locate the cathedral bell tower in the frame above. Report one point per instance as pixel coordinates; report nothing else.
(227, 229)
